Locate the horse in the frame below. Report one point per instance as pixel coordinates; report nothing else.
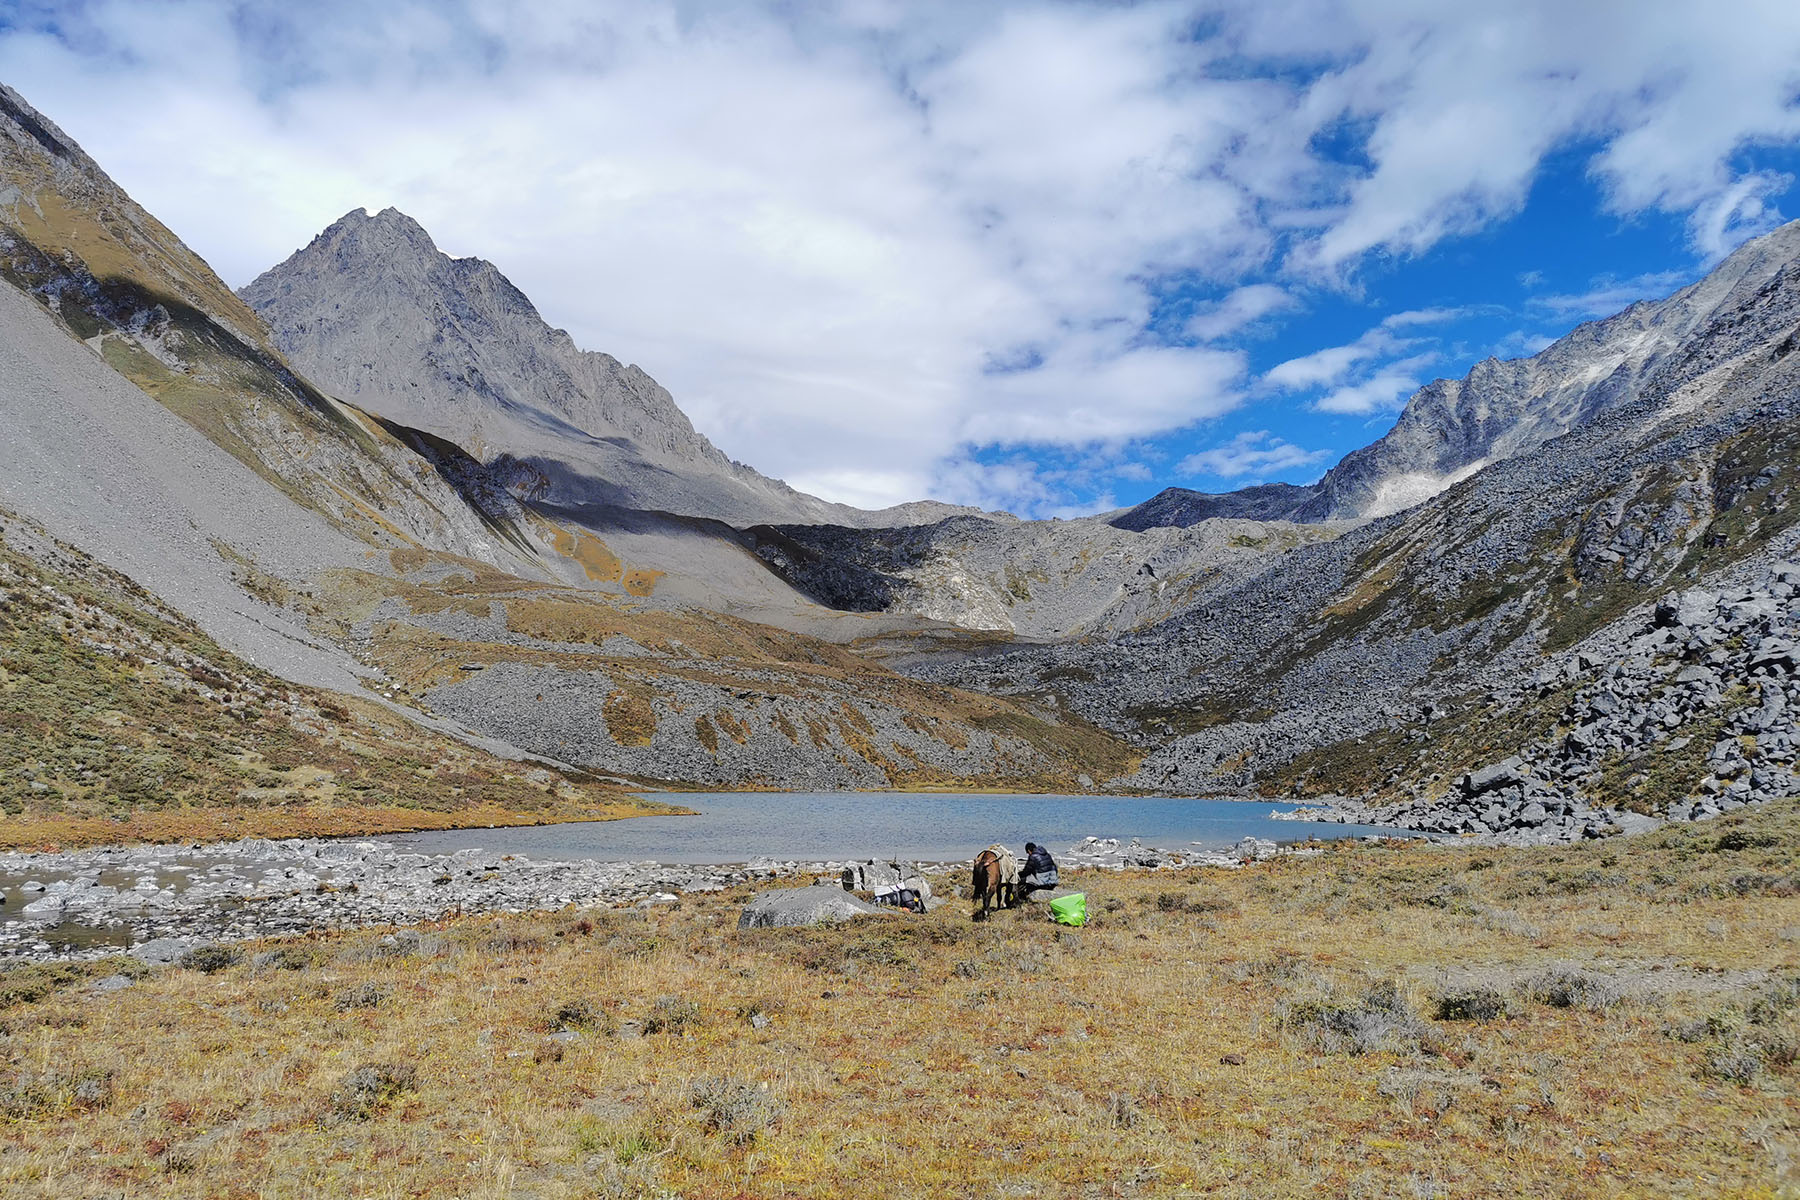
(1009, 873)
(995, 877)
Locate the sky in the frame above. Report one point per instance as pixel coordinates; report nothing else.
(1043, 257)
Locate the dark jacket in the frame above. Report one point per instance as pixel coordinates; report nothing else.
(1039, 862)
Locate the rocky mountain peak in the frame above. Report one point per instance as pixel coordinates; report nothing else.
(389, 230)
(1452, 428)
(374, 311)
(392, 244)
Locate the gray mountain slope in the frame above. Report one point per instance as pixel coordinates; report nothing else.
(113, 277)
(147, 418)
(1322, 658)
(1180, 507)
(145, 493)
(373, 311)
(1453, 427)
(1039, 580)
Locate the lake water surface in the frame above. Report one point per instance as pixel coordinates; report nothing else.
(915, 826)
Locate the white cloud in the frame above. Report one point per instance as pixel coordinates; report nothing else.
(1463, 101)
(1250, 453)
(1091, 390)
(1422, 316)
(1722, 222)
(1383, 391)
(821, 225)
(1607, 295)
(1242, 308)
(1327, 366)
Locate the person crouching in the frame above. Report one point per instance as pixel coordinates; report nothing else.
(1039, 873)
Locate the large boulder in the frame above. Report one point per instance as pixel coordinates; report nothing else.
(870, 875)
(1507, 773)
(879, 878)
(1692, 609)
(803, 906)
(1777, 654)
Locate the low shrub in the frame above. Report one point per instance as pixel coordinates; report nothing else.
(53, 1091)
(364, 995)
(734, 1108)
(1122, 1111)
(1570, 987)
(1379, 1020)
(577, 1013)
(672, 1014)
(285, 958)
(1470, 1004)
(370, 1088)
(211, 959)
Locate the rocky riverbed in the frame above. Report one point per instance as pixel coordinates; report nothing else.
(160, 901)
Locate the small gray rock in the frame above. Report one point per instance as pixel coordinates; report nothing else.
(161, 952)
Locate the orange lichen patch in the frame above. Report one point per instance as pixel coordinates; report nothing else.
(1372, 587)
(947, 732)
(408, 560)
(856, 733)
(599, 563)
(630, 719)
(581, 618)
(734, 728)
(641, 581)
(351, 593)
(709, 737)
(854, 717)
(357, 508)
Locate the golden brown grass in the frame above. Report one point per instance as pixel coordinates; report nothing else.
(120, 721)
(1167, 1049)
(62, 831)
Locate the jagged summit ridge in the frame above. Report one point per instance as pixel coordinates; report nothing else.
(373, 309)
(1452, 428)
(481, 340)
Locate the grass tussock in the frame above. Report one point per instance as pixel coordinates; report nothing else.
(1367, 1022)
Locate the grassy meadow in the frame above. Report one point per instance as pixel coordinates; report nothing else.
(1612, 1019)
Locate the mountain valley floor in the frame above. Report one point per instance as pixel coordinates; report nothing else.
(1610, 1018)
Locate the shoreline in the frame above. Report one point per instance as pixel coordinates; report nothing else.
(69, 833)
(157, 901)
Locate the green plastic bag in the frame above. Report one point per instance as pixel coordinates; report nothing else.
(1069, 910)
